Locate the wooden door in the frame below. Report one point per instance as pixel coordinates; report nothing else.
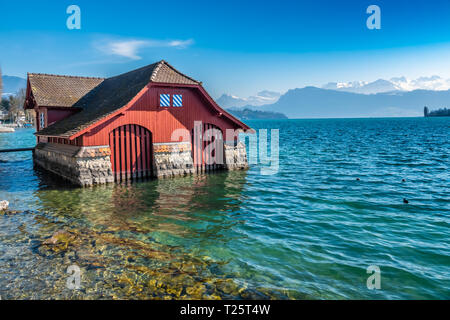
(131, 152)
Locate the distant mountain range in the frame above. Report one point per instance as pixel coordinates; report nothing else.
(397, 97)
(312, 102)
(11, 84)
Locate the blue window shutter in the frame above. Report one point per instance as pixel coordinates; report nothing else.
(177, 100)
(164, 100)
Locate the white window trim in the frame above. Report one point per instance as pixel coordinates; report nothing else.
(42, 120)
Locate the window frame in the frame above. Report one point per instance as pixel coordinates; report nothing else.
(42, 120)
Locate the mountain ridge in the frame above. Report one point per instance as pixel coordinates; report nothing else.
(313, 102)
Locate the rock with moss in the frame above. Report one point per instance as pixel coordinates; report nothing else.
(60, 240)
(4, 209)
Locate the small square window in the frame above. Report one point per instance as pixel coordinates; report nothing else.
(164, 100)
(177, 100)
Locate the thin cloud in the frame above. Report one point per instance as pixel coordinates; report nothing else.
(130, 48)
(181, 44)
(126, 49)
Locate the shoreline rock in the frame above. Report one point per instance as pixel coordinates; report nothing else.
(4, 205)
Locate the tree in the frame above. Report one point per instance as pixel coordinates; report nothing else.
(16, 105)
(443, 112)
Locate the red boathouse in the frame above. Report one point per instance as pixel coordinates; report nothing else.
(150, 122)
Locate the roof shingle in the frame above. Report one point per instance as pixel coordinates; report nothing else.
(60, 91)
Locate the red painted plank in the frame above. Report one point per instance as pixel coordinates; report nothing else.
(117, 153)
(207, 158)
(138, 152)
(111, 144)
(128, 150)
(144, 153)
(133, 151)
(148, 153)
(122, 154)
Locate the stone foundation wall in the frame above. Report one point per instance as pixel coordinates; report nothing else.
(235, 156)
(83, 166)
(86, 166)
(172, 159)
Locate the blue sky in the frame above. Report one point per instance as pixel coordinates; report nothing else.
(237, 47)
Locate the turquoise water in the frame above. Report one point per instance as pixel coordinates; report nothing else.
(308, 232)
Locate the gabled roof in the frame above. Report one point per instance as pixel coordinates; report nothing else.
(114, 93)
(60, 91)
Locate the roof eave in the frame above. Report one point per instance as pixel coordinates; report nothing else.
(51, 136)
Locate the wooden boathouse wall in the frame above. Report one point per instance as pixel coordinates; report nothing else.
(132, 134)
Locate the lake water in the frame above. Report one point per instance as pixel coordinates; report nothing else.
(308, 232)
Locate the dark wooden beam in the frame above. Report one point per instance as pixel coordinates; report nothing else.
(16, 150)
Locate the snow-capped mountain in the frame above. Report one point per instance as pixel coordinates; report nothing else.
(261, 98)
(425, 83)
(393, 84)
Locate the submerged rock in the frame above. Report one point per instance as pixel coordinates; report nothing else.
(60, 240)
(228, 286)
(4, 208)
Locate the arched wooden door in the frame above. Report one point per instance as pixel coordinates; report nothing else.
(131, 152)
(207, 148)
